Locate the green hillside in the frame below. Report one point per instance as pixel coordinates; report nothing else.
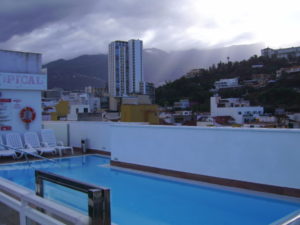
(281, 93)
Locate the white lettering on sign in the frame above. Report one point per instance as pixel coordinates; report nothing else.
(23, 81)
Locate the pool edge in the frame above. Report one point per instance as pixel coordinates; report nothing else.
(293, 192)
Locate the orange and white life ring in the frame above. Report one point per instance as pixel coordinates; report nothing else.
(27, 114)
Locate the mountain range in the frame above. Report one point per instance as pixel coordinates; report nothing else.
(159, 66)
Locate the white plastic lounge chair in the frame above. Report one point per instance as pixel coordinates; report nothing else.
(49, 139)
(32, 141)
(14, 140)
(4, 152)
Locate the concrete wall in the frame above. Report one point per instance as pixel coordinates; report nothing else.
(267, 156)
(20, 62)
(97, 133)
(61, 130)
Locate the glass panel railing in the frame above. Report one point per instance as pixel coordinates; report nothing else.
(97, 198)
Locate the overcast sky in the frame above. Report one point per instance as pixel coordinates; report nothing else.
(69, 28)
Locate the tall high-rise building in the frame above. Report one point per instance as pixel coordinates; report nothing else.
(118, 68)
(125, 67)
(135, 59)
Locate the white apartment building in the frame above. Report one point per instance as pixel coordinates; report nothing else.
(118, 73)
(293, 69)
(80, 98)
(75, 109)
(125, 67)
(227, 83)
(135, 60)
(182, 104)
(237, 108)
(81, 103)
(281, 53)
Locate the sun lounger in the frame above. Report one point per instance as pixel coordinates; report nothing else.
(32, 141)
(6, 152)
(14, 140)
(49, 139)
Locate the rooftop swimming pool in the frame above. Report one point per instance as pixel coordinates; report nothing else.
(142, 199)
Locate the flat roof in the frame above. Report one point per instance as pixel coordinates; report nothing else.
(4, 50)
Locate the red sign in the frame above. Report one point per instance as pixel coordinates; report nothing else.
(5, 128)
(5, 100)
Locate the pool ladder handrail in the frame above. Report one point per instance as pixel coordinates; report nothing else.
(291, 219)
(28, 153)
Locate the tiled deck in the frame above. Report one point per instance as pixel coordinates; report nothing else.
(77, 152)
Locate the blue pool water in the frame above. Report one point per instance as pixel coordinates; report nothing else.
(138, 199)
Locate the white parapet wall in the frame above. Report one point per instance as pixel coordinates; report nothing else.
(61, 130)
(97, 133)
(264, 156)
(72, 132)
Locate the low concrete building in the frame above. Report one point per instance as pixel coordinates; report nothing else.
(288, 70)
(281, 53)
(140, 113)
(182, 104)
(237, 108)
(227, 83)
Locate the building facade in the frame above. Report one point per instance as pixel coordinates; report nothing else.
(21, 84)
(227, 83)
(281, 53)
(118, 71)
(125, 67)
(237, 108)
(135, 60)
(147, 88)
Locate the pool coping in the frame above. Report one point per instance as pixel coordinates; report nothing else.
(54, 158)
(265, 188)
(211, 185)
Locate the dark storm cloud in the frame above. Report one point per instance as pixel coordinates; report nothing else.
(21, 16)
(68, 28)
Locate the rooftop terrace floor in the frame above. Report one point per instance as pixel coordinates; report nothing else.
(77, 152)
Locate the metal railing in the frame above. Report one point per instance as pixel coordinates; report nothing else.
(98, 197)
(292, 219)
(26, 203)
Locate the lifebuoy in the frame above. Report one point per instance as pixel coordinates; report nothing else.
(27, 114)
